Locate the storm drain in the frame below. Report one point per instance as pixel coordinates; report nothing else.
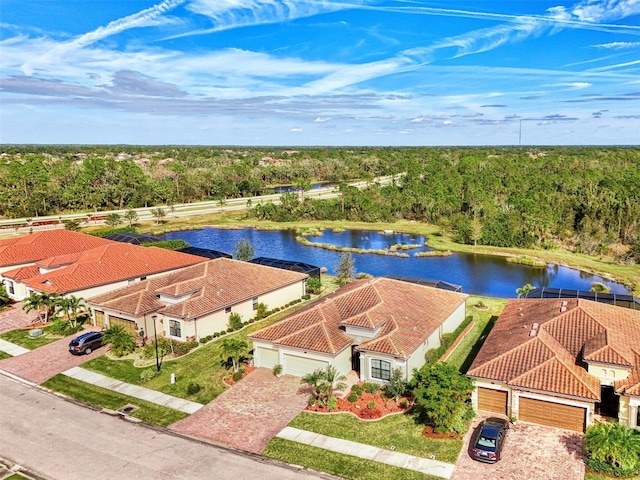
(128, 409)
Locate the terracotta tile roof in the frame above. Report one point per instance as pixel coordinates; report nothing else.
(569, 332)
(406, 314)
(108, 264)
(207, 286)
(41, 245)
(21, 273)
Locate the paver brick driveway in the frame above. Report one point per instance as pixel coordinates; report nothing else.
(531, 452)
(41, 364)
(249, 414)
(15, 317)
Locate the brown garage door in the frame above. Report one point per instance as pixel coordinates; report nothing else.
(552, 414)
(491, 400)
(128, 325)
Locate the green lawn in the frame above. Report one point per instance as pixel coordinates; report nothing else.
(22, 338)
(467, 350)
(202, 366)
(597, 476)
(103, 398)
(4, 355)
(400, 431)
(338, 464)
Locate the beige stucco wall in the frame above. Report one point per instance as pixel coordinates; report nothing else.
(454, 320)
(417, 360)
(607, 374)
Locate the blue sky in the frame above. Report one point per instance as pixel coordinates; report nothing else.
(316, 72)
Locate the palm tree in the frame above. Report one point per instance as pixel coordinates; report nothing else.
(4, 295)
(121, 341)
(41, 302)
(333, 381)
(234, 349)
(613, 444)
(70, 307)
(314, 380)
(522, 291)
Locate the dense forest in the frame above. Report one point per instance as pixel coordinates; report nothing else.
(587, 198)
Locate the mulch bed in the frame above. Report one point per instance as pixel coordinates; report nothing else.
(429, 433)
(381, 407)
(230, 382)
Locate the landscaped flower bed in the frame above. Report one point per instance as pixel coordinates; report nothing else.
(367, 405)
(230, 382)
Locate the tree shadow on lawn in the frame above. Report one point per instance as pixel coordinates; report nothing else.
(478, 345)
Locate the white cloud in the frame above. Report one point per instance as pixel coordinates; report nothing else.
(619, 45)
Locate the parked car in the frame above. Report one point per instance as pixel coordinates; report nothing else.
(85, 343)
(488, 440)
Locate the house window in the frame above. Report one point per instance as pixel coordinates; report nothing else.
(175, 329)
(380, 369)
(10, 288)
(227, 310)
(255, 303)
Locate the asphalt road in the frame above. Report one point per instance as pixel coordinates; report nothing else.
(57, 440)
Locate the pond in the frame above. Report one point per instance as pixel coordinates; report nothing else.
(477, 274)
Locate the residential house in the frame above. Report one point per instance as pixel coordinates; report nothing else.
(197, 301)
(93, 271)
(371, 326)
(561, 363)
(26, 250)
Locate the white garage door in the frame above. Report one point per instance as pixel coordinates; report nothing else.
(300, 366)
(267, 357)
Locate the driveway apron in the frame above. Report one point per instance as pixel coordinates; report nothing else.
(531, 451)
(249, 414)
(41, 364)
(15, 317)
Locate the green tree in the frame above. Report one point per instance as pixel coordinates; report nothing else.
(443, 397)
(235, 321)
(70, 306)
(113, 220)
(131, 216)
(313, 286)
(599, 287)
(158, 213)
(72, 225)
(612, 448)
(324, 382)
(233, 349)
(43, 303)
(397, 385)
(524, 290)
(121, 341)
(346, 269)
(244, 250)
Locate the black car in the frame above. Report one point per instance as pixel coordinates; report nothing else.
(85, 343)
(488, 440)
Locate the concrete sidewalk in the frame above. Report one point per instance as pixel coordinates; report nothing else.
(381, 455)
(12, 349)
(142, 393)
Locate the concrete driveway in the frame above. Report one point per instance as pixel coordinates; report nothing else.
(41, 364)
(531, 451)
(249, 414)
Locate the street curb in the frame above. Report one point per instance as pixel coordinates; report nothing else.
(159, 429)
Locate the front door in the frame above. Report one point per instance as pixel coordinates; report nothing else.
(355, 359)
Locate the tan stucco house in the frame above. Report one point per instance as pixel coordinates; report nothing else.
(371, 326)
(197, 301)
(561, 363)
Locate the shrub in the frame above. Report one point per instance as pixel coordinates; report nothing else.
(357, 389)
(332, 403)
(121, 341)
(404, 403)
(371, 405)
(237, 376)
(147, 374)
(306, 296)
(371, 387)
(193, 388)
(314, 286)
(235, 322)
(353, 398)
(182, 348)
(311, 400)
(203, 340)
(277, 369)
(613, 449)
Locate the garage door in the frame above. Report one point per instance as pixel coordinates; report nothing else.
(268, 358)
(491, 400)
(129, 326)
(552, 414)
(99, 318)
(299, 366)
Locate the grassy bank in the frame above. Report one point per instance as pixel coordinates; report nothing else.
(603, 266)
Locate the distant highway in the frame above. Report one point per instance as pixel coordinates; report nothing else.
(20, 225)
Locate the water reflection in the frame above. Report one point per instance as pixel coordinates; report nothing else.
(477, 274)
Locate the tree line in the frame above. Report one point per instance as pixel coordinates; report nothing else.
(584, 197)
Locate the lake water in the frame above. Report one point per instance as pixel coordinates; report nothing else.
(477, 274)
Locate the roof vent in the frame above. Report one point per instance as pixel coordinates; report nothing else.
(563, 309)
(534, 330)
